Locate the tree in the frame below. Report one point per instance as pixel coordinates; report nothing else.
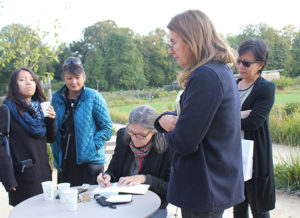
(279, 43)
(22, 46)
(94, 36)
(123, 64)
(295, 50)
(94, 68)
(159, 66)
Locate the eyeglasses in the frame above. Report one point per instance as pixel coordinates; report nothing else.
(137, 135)
(247, 63)
(72, 60)
(171, 45)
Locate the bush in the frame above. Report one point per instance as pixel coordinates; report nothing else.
(287, 173)
(291, 108)
(285, 128)
(118, 117)
(283, 81)
(56, 85)
(50, 155)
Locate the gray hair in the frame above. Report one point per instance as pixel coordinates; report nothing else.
(145, 115)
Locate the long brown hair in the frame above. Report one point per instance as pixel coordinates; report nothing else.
(13, 92)
(198, 32)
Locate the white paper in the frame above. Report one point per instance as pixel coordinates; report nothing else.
(115, 189)
(178, 109)
(119, 198)
(247, 155)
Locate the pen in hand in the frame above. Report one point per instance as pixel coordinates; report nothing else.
(104, 180)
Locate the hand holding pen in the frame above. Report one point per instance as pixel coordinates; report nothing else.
(104, 180)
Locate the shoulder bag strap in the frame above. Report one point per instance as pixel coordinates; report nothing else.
(8, 120)
(7, 137)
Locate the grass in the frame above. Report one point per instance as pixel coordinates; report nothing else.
(287, 173)
(283, 97)
(121, 103)
(120, 114)
(159, 106)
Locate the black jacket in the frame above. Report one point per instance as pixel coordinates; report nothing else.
(24, 146)
(155, 166)
(256, 128)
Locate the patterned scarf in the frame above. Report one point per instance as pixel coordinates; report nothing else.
(33, 122)
(140, 153)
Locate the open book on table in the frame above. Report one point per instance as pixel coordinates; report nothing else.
(115, 189)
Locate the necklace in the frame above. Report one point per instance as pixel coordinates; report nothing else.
(243, 86)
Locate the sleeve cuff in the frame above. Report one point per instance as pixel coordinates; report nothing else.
(148, 179)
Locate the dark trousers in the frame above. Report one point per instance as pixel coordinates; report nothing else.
(241, 210)
(196, 214)
(79, 174)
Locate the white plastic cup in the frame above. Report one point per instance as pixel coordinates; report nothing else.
(71, 198)
(44, 106)
(48, 190)
(62, 187)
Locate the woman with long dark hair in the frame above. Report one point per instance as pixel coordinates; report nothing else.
(28, 136)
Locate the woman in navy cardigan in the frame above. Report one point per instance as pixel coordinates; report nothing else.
(206, 172)
(257, 98)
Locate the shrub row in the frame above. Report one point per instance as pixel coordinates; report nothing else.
(285, 124)
(287, 173)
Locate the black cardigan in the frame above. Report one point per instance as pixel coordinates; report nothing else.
(24, 146)
(155, 166)
(256, 128)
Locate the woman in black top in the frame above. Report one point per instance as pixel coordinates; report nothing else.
(141, 156)
(257, 98)
(29, 133)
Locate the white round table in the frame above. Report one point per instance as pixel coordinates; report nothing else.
(37, 207)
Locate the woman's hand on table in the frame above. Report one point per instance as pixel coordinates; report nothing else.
(104, 180)
(168, 122)
(132, 180)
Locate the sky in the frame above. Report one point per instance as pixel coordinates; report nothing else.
(144, 16)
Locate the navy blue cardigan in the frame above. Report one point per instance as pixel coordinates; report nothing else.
(206, 171)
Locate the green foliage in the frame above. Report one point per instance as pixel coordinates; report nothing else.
(56, 85)
(283, 81)
(159, 67)
(284, 45)
(291, 108)
(296, 82)
(118, 117)
(49, 151)
(284, 97)
(295, 53)
(285, 127)
(287, 173)
(121, 103)
(123, 63)
(94, 68)
(24, 47)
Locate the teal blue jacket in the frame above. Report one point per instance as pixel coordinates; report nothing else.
(92, 123)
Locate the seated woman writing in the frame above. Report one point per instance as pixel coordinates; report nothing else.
(141, 156)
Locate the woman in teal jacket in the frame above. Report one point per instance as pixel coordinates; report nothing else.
(84, 125)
